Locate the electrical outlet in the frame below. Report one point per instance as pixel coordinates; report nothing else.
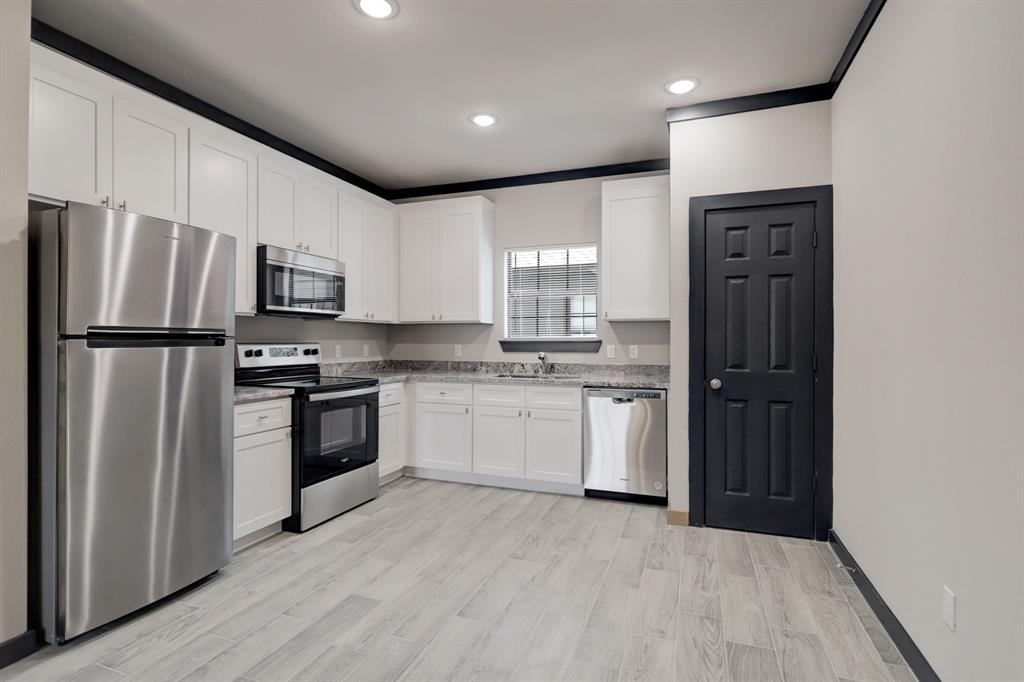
(458, 350)
(337, 350)
(949, 608)
(634, 352)
(366, 350)
(610, 352)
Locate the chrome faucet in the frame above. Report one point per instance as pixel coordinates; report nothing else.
(544, 366)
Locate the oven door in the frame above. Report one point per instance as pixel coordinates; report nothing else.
(339, 433)
(299, 284)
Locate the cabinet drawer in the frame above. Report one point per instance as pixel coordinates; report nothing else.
(391, 394)
(498, 396)
(554, 397)
(446, 394)
(262, 416)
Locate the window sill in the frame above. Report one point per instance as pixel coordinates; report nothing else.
(581, 345)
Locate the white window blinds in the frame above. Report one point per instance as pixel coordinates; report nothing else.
(551, 292)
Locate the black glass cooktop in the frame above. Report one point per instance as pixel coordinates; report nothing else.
(320, 383)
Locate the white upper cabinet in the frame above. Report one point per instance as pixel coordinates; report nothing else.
(222, 198)
(150, 162)
(447, 261)
(368, 246)
(319, 224)
(280, 196)
(635, 249)
(70, 151)
(419, 252)
(350, 252)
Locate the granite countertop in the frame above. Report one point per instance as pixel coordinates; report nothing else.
(252, 394)
(597, 379)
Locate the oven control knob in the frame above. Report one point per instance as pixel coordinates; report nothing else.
(315, 351)
(307, 352)
(258, 353)
(248, 353)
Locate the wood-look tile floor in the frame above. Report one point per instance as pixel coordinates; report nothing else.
(441, 581)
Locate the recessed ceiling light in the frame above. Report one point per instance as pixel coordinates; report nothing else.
(378, 9)
(681, 86)
(483, 120)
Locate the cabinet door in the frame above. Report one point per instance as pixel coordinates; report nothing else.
(389, 440)
(377, 235)
(263, 480)
(319, 233)
(460, 262)
(418, 265)
(69, 139)
(150, 163)
(444, 437)
(498, 441)
(280, 190)
(554, 446)
(635, 249)
(350, 252)
(222, 198)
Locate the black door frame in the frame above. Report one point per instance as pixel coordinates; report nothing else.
(821, 197)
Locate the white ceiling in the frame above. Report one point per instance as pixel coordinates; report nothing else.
(576, 82)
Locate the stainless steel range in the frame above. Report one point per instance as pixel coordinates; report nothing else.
(334, 458)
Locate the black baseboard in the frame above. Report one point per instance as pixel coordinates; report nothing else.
(17, 648)
(900, 637)
(627, 497)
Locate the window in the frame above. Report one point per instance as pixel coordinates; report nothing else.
(551, 293)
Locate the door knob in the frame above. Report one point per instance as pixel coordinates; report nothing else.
(715, 384)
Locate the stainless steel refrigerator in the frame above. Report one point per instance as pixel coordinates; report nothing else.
(134, 363)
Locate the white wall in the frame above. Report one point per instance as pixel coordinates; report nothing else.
(758, 150)
(351, 336)
(928, 165)
(534, 215)
(14, 50)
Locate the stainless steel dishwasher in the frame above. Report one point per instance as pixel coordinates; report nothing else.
(625, 452)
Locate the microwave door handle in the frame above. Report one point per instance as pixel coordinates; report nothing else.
(316, 397)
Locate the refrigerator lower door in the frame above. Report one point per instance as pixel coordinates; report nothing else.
(144, 473)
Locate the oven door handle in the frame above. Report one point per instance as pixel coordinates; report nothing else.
(315, 397)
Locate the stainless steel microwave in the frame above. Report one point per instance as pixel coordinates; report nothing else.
(298, 284)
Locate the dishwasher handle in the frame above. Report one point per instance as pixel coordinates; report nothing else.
(625, 395)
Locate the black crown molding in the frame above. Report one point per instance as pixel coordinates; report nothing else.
(83, 52)
(647, 166)
(783, 98)
(77, 49)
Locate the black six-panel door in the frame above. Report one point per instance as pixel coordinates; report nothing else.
(759, 369)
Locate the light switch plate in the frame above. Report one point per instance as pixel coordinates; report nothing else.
(949, 608)
(610, 352)
(366, 350)
(634, 352)
(458, 350)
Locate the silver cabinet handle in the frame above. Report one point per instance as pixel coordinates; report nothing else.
(440, 316)
(433, 316)
(467, 410)
(520, 413)
(529, 415)
(715, 384)
(299, 246)
(262, 417)
(372, 317)
(105, 201)
(123, 205)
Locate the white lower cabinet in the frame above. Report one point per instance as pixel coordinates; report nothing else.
(263, 477)
(502, 435)
(263, 465)
(554, 446)
(389, 440)
(444, 437)
(498, 441)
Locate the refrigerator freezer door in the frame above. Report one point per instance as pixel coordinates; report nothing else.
(125, 270)
(145, 471)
